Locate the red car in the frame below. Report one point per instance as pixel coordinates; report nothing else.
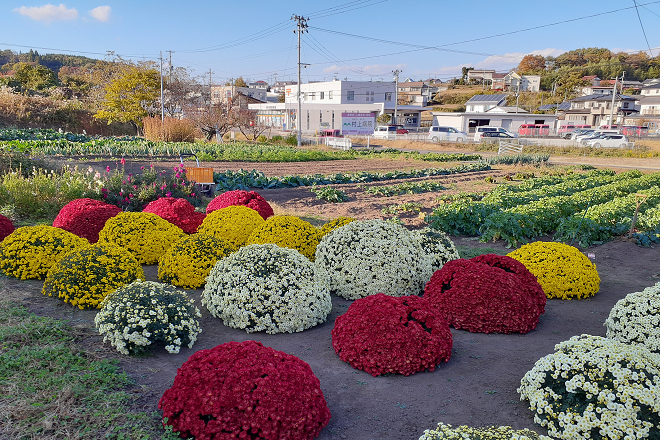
(399, 129)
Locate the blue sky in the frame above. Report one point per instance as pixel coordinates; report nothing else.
(255, 39)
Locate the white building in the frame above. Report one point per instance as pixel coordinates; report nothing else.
(497, 117)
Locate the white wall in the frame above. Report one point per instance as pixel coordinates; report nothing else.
(337, 92)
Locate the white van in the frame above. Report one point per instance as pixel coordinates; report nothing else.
(437, 133)
(486, 128)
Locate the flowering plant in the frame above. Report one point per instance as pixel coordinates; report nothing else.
(562, 270)
(251, 199)
(635, 318)
(145, 235)
(85, 217)
(233, 223)
(188, 262)
(446, 432)
(29, 252)
(334, 224)
(287, 231)
(488, 293)
(373, 256)
(179, 212)
(437, 245)
(266, 287)
(245, 390)
(86, 275)
(6, 227)
(144, 312)
(595, 387)
(381, 334)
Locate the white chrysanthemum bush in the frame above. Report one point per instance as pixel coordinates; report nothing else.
(145, 312)
(263, 287)
(635, 319)
(437, 245)
(594, 387)
(446, 432)
(367, 257)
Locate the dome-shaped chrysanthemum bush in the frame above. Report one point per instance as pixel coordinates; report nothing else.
(593, 387)
(188, 262)
(437, 245)
(635, 319)
(562, 270)
(239, 197)
(233, 223)
(6, 227)
(146, 235)
(264, 287)
(367, 257)
(334, 224)
(144, 313)
(488, 293)
(86, 275)
(85, 217)
(381, 334)
(179, 212)
(287, 231)
(29, 252)
(446, 432)
(245, 390)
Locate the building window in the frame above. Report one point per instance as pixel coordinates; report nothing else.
(330, 94)
(307, 119)
(350, 96)
(320, 118)
(625, 105)
(321, 95)
(333, 118)
(312, 96)
(388, 96)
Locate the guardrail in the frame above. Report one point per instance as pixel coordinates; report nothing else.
(509, 148)
(341, 143)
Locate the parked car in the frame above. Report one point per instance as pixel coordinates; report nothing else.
(609, 141)
(437, 133)
(565, 131)
(479, 131)
(495, 136)
(635, 130)
(596, 134)
(330, 133)
(534, 130)
(389, 131)
(582, 132)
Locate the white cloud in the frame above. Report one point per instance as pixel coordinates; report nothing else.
(372, 69)
(48, 13)
(498, 62)
(101, 13)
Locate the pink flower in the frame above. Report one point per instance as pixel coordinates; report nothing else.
(192, 194)
(178, 175)
(141, 168)
(123, 161)
(107, 169)
(169, 194)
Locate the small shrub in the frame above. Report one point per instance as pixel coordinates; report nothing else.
(291, 139)
(262, 139)
(85, 217)
(334, 224)
(6, 227)
(143, 313)
(287, 231)
(634, 319)
(276, 138)
(233, 223)
(251, 199)
(179, 212)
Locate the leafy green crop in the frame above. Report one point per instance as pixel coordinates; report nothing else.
(329, 194)
(404, 188)
(402, 207)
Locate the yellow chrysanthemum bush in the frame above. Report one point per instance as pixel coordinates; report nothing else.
(287, 231)
(264, 287)
(233, 223)
(145, 312)
(438, 246)
(446, 432)
(334, 224)
(594, 387)
(146, 235)
(562, 270)
(635, 319)
(29, 252)
(188, 262)
(85, 276)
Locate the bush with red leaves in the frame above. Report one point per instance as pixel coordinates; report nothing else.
(179, 212)
(6, 227)
(245, 390)
(251, 199)
(488, 293)
(381, 334)
(85, 217)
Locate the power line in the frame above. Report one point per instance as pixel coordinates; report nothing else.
(642, 25)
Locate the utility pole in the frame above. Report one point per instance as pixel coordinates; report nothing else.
(396, 93)
(162, 102)
(613, 98)
(210, 91)
(302, 27)
(171, 67)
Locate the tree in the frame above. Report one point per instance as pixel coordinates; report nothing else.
(34, 77)
(383, 119)
(183, 91)
(464, 74)
(248, 123)
(531, 64)
(240, 82)
(281, 97)
(214, 120)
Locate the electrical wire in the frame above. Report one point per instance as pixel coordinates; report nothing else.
(642, 25)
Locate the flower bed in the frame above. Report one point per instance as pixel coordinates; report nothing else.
(267, 288)
(446, 432)
(233, 223)
(85, 217)
(6, 227)
(562, 270)
(145, 235)
(256, 392)
(437, 245)
(188, 262)
(29, 252)
(373, 256)
(251, 199)
(595, 386)
(635, 318)
(381, 335)
(287, 231)
(488, 293)
(334, 224)
(179, 212)
(85, 276)
(144, 312)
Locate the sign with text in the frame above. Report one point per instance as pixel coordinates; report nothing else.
(357, 123)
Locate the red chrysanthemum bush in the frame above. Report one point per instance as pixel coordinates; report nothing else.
(381, 334)
(488, 293)
(6, 227)
(85, 217)
(251, 199)
(179, 212)
(245, 390)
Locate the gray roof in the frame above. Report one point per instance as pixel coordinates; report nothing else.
(562, 106)
(604, 97)
(651, 86)
(485, 99)
(650, 100)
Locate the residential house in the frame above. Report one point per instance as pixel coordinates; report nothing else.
(416, 92)
(280, 86)
(514, 82)
(480, 75)
(220, 94)
(483, 103)
(649, 100)
(595, 109)
(259, 85)
(498, 81)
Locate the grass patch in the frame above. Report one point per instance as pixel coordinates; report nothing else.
(470, 252)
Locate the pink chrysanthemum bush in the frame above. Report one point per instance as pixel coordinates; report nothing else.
(179, 212)
(488, 293)
(381, 334)
(6, 227)
(245, 390)
(85, 217)
(251, 199)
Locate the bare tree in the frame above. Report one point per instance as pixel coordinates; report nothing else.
(248, 123)
(182, 91)
(214, 119)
